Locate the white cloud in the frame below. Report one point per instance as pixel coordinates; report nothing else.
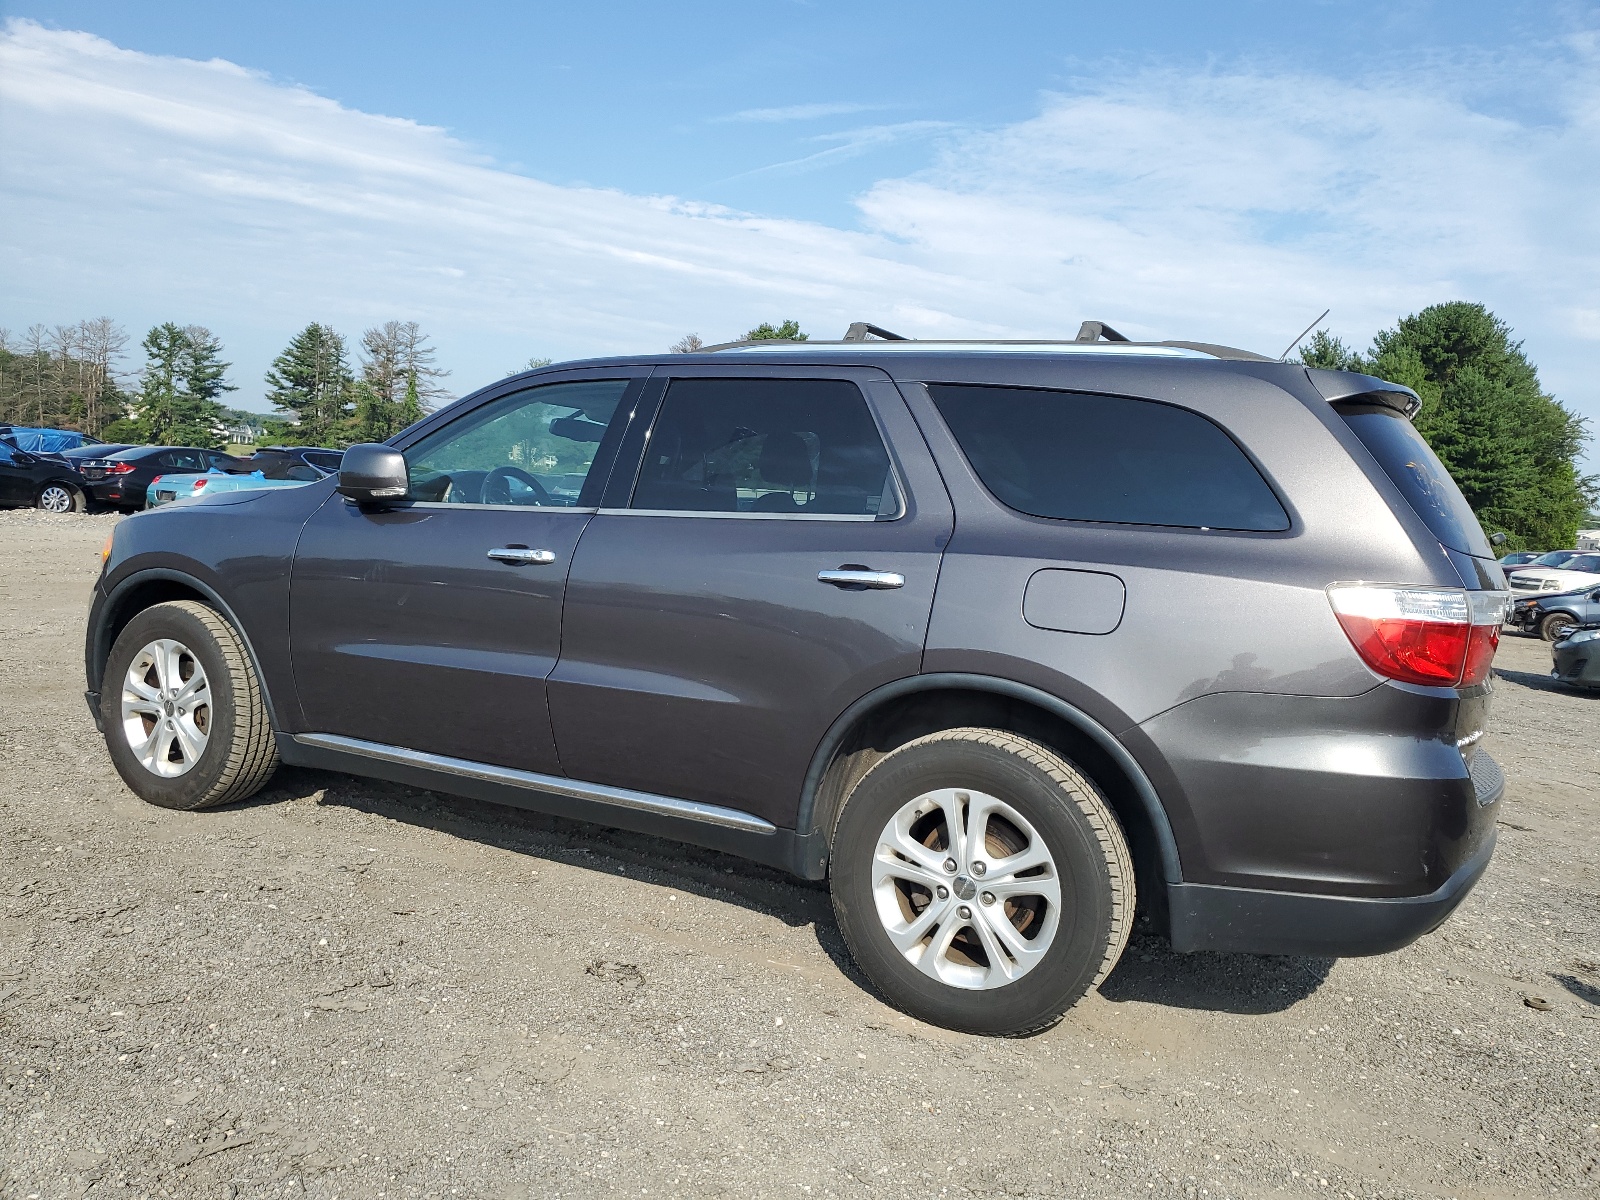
(800, 112)
(1215, 206)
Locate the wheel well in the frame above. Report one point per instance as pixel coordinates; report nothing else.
(905, 718)
(141, 596)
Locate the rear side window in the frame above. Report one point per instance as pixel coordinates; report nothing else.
(1083, 457)
(1422, 479)
(779, 447)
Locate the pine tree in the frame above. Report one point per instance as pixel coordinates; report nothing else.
(311, 382)
(397, 365)
(410, 410)
(183, 376)
(789, 331)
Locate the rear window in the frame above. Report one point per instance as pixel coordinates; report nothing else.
(1083, 457)
(1422, 479)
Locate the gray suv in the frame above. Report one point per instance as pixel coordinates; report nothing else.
(1009, 642)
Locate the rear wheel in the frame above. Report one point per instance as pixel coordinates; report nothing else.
(1554, 625)
(60, 498)
(981, 881)
(184, 716)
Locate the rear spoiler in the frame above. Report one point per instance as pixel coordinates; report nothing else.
(1347, 387)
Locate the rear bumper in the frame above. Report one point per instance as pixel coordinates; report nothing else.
(1212, 917)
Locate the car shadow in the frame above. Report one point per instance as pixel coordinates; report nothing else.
(1584, 991)
(1149, 972)
(1542, 683)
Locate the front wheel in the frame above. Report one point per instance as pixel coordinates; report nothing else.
(184, 716)
(60, 498)
(981, 881)
(1555, 625)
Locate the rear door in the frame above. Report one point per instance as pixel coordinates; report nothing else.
(431, 624)
(771, 562)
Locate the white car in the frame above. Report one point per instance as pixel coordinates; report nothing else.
(1579, 571)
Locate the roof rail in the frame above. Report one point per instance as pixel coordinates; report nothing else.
(1093, 331)
(859, 331)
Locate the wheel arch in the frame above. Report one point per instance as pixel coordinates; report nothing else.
(158, 585)
(897, 712)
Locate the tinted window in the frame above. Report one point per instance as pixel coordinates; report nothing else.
(1420, 476)
(1106, 458)
(1554, 559)
(1583, 562)
(782, 446)
(6, 454)
(534, 447)
(183, 460)
(325, 460)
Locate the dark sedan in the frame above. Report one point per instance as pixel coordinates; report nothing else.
(1576, 657)
(1551, 616)
(29, 480)
(121, 479)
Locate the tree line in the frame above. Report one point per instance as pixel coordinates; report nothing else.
(75, 377)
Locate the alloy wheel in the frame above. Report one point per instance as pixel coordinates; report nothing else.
(166, 708)
(56, 499)
(966, 889)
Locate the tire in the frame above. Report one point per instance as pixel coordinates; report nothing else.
(1550, 628)
(981, 774)
(211, 745)
(60, 498)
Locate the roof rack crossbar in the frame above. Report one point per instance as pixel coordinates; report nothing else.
(1093, 331)
(859, 331)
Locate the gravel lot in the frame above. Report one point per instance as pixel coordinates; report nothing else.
(354, 989)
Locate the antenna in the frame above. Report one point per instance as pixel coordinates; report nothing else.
(1302, 336)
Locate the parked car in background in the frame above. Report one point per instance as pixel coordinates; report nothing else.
(121, 480)
(1573, 572)
(1551, 616)
(271, 467)
(1521, 558)
(1576, 656)
(29, 480)
(305, 463)
(44, 441)
(898, 615)
(79, 455)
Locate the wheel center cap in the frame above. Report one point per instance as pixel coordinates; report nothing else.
(965, 889)
(166, 706)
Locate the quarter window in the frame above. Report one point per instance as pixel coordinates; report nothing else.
(777, 447)
(1085, 457)
(535, 447)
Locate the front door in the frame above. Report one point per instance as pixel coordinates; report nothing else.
(432, 623)
(771, 563)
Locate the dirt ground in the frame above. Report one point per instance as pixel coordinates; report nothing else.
(352, 989)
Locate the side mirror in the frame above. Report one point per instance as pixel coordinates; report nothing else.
(1497, 539)
(372, 472)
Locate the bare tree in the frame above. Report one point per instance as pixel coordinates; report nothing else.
(687, 344)
(36, 345)
(101, 342)
(395, 352)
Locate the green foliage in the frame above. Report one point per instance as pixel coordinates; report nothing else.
(1512, 449)
(184, 374)
(311, 382)
(789, 331)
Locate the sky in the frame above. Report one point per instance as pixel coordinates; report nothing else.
(568, 180)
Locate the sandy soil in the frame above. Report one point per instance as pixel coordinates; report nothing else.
(351, 989)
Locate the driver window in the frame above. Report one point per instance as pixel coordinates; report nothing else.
(532, 448)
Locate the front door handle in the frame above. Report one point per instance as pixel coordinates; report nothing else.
(860, 577)
(521, 554)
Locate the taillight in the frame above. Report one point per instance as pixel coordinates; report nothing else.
(121, 468)
(155, 481)
(1445, 637)
(199, 484)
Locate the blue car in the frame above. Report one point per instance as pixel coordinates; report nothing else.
(1551, 616)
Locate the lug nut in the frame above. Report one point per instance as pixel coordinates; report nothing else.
(965, 913)
(942, 892)
(978, 868)
(950, 866)
(987, 897)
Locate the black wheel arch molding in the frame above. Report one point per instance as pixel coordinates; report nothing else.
(107, 616)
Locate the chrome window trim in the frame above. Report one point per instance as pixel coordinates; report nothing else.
(742, 516)
(599, 793)
(446, 505)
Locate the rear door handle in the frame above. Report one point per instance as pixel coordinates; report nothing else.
(521, 554)
(860, 577)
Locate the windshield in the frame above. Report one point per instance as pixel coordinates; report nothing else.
(1556, 558)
